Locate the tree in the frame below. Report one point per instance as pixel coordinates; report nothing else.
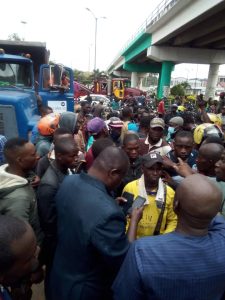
(177, 90)
(185, 85)
(15, 37)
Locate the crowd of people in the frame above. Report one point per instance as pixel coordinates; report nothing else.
(119, 204)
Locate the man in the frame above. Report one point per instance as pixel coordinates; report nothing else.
(175, 124)
(207, 157)
(66, 152)
(222, 117)
(158, 214)
(98, 109)
(127, 114)
(188, 263)
(98, 129)
(18, 252)
(115, 126)
(173, 113)
(183, 148)
(154, 142)
(161, 108)
(16, 194)
(88, 98)
(131, 146)
(220, 178)
(91, 230)
(44, 111)
(44, 162)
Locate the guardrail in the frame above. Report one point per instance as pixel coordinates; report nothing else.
(156, 14)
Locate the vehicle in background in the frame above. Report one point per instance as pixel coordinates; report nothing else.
(24, 76)
(96, 99)
(120, 87)
(80, 90)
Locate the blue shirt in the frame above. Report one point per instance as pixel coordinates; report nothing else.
(92, 242)
(175, 267)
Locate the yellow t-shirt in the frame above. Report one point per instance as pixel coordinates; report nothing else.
(151, 212)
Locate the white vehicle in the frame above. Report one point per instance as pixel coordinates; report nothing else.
(97, 98)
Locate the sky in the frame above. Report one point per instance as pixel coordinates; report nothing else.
(68, 29)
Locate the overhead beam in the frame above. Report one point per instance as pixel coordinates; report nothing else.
(200, 30)
(186, 55)
(210, 38)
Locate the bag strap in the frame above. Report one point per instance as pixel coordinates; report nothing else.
(159, 222)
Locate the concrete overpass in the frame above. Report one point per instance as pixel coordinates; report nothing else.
(177, 31)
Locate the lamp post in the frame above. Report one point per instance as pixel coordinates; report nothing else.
(96, 28)
(89, 57)
(24, 23)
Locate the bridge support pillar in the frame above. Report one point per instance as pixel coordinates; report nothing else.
(134, 79)
(164, 79)
(212, 81)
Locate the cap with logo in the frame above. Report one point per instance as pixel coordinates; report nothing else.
(151, 159)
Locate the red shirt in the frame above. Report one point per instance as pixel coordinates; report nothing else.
(161, 107)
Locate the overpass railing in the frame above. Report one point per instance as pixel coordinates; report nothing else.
(156, 14)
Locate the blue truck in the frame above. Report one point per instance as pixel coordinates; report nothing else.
(28, 80)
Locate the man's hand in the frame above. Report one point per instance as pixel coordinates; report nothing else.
(35, 181)
(121, 200)
(182, 168)
(136, 214)
(168, 163)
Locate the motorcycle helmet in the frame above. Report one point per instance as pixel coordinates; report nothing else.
(48, 124)
(205, 130)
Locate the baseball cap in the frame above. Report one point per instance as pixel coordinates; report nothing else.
(174, 105)
(177, 121)
(151, 159)
(115, 122)
(157, 122)
(95, 125)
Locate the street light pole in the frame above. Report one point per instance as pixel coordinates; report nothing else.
(96, 25)
(24, 23)
(96, 30)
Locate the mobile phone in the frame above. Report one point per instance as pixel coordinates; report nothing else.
(127, 205)
(138, 202)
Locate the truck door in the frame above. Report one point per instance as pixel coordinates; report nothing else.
(118, 89)
(55, 86)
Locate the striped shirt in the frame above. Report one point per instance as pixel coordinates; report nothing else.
(175, 267)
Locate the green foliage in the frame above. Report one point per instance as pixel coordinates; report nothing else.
(177, 90)
(185, 85)
(88, 77)
(15, 37)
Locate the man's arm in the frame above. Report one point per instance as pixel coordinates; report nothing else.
(110, 240)
(171, 218)
(19, 204)
(47, 208)
(128, 283)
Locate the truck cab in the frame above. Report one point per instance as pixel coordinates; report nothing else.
(25, 77)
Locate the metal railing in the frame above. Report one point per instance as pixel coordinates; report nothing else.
(156, 14)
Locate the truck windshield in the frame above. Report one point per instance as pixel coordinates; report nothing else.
(127, 83)
(16, 74)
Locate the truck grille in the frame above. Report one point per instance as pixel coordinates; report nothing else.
(8, 122)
